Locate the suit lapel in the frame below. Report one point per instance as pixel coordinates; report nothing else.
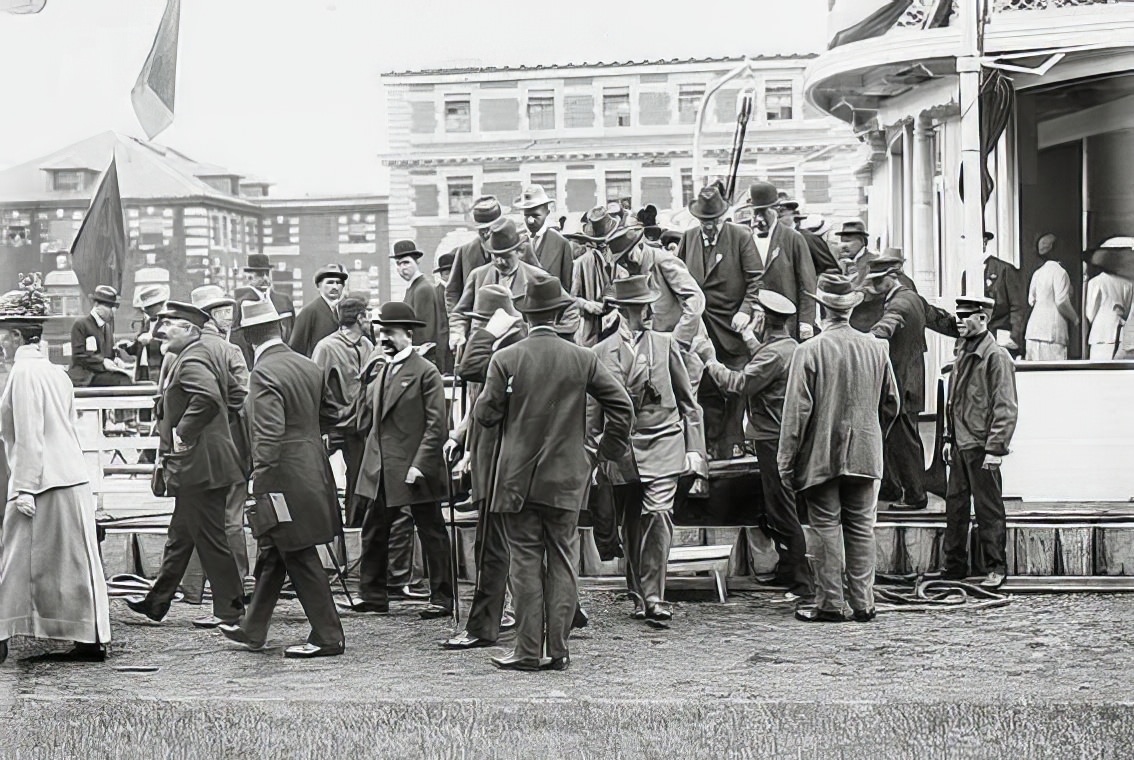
(641, 364)
(717, 255)
(695, 256)
(773, 247)
(403, 379)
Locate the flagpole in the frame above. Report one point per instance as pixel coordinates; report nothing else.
(972, 210)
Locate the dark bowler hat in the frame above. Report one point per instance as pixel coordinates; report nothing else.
(543, 293)
(186, 311)
(973, 304)
(631, 291)
(105, 294)
(331, 272)
(397, 314)
(837, 292)
(444, 262)
(503, 237)
(888, 263)
(852, 228)
(775, 303)
(404, 248)
(485, 211)
(490, 298)
(709, 203)
(762, 195)
(258, 262)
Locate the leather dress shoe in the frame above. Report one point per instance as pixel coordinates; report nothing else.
(465, 640)
(639, 612)
(557, 663)
(237, 634)
(212, 621)
(82, 652)
(406, 592)
(358, 605)
(507, 621)
(309, 650)
(435, 611)
(659, 611)
(141, 612)
(581, 619)
(816, 615)
(864, 616)
(512, 662)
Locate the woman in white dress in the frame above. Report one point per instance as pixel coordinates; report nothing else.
(1049, 295)
(51, 580)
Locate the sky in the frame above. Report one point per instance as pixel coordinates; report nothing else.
(290, 90)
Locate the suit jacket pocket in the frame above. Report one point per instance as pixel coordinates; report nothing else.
(175, 466)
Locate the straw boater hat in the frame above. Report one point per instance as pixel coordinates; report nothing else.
(485, 211)
(543, 293)
(331, 272)
(105, 294)
(151, 295)
(635, 290)
(503, 237)
(185, 311)
(837, 292)
(490, 298)
(533, 196)
(709, 203)
(209, 297)
(397, 314)
(258, 262)
(258, 313)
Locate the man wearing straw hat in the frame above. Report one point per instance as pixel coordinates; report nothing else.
(146, 346)
(553, 252)
(664, 441)
(536, 390)
(258, 277)
(840, 399)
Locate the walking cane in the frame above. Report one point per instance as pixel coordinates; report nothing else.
(452, 502)
(341, 571)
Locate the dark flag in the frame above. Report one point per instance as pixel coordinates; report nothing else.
(154, 92)
(856, 20)
(98, 255)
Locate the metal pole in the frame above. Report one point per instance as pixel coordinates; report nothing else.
(698, 165)
(972, 213)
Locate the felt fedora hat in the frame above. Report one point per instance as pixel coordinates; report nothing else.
(533, 196)
(105, 294)
(543, 293)
(762, 195)
(503, 237)
(258, 262)
(331, 272)
(709, 203)
(208, 297)
(598, 226)
(631, 291)
(186, 311)
(485, 211)
(258, 313)
(624, 238)
(397, 314)
(404, 248)
(488, 299)
(775, 303)
(852, 228)
(837, 292)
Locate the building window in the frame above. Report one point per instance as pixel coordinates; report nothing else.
(816, 188)
(68, 181)
(460, 195)
(616, 107)
(541, 110)
(785, 185)
(777, 99)
(686, 187)
(425, 201)
(688, 101)
(548, 182)
(458, 116)
(618, 188)
(151, 233)
(281, 231)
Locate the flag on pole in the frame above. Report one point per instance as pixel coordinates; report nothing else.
(854, 20)
(22, 6)
(98, 255)
(154, 91)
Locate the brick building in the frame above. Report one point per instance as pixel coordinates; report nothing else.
(596, 132)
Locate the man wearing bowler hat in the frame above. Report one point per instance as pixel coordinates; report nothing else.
(664, 440)
(504, 245)
(441, 271)
(258, 278)
(723, 260)
(763, 383)
(290, 475)
(402, 415)
(319, 318)
(536, 391)
(553, 252)
(420, 295)
(92, 344)
(201, 463)
(788, 268)
(840, 400)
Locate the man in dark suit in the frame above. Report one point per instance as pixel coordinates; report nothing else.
(92, 344)
(788, 268)
(403, 417)
(723, 260)
(902, 325)
(537, 391)
(814, 230)
(201, 464)
(1004, 284)
(553, 251)
(319, 318)
(258, 276)
(441, 271)
(420, 295)
(289, 463)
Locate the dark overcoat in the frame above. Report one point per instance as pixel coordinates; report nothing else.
(466, 259)
(790, 272)
(903, 326)
(284, 307)
(730, 280)
(423, 298)
(314, 322)
(287, 451)
(537, 389)
(821, 257)
(87, 354)
(555, 254)
(405, 426)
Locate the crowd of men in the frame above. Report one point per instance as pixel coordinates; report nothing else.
(604, 369)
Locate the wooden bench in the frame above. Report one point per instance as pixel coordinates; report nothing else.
(692, 559)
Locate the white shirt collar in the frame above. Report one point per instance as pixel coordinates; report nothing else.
(413, 279)
(548, 328)
(541, 231)
(402, 355)
(264, 347)
(98, 320)
(330, 303)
